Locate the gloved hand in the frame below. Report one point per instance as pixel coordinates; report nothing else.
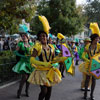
(39, 63)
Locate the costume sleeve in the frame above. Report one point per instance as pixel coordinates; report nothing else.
(18, 54)
(20, 44)
(35, 62)
(31, 43)
(87, 48)
(98, 46)
(86, 51)
(84, 57)
(81, 52)
(37, 47)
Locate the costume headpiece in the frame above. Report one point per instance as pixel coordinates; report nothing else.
(76, 40)
(87, 39)
(50, 35)
(60, 36)
(45, 23)
(24, 29)
(95, 28)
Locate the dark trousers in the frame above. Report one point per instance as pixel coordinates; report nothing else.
(45, 93)
(22, 82)
(92, 86)
(62, 68)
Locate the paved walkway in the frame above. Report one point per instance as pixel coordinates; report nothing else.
(68, 89)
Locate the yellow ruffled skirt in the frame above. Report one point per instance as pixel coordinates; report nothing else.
(84, 68)
(47, 77)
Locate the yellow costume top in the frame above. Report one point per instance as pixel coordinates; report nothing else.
(44, 74)
(90, 51)
(84, 67)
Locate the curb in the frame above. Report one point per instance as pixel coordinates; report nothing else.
(11, 83)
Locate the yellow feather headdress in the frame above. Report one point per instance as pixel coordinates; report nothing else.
(60, 36)
(45, 23)
(95, 28)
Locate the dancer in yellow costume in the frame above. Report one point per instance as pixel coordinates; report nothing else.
(67, 64)
(61, 67)
(45, 74)
(91, 49)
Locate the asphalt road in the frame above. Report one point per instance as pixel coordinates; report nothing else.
(68, 89)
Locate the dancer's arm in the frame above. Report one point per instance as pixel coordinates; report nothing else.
(84, 57)
(18, 49)
(36, 62)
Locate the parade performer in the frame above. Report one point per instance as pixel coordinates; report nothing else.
(86, 42)
(75, 52)
(66, 52)
(23, 66)
(61, 67)
(91, 49)
(69, 62)
(44, 74)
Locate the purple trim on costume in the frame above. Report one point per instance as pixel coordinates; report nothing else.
(65, 51)
(76, 55)
(96, 72)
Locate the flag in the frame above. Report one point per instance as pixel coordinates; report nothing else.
(69, 65)
(94, 68)
(65, 51)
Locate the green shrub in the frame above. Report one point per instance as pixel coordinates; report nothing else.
(7, 61)
(7, 57)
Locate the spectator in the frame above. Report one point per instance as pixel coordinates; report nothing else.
(6, 45)
(1, 44)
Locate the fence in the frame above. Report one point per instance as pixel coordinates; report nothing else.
(6, 73)
(7, 61)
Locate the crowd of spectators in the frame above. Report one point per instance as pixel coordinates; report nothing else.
(7, 43)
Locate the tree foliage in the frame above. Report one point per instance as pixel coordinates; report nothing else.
(13, 11)
(92, 12)
(63, 16)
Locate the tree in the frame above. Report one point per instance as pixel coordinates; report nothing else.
(63, 16)
(92, 12)
(13, 11)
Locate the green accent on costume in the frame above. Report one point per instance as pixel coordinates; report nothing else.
(54, 45)
(24, 49)
(23, 66)
(81, 52)
(18, 54)
(76, 40)
(57, 51)
(55, 65)
(95, 65)
(68, 63)
(78, 49)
